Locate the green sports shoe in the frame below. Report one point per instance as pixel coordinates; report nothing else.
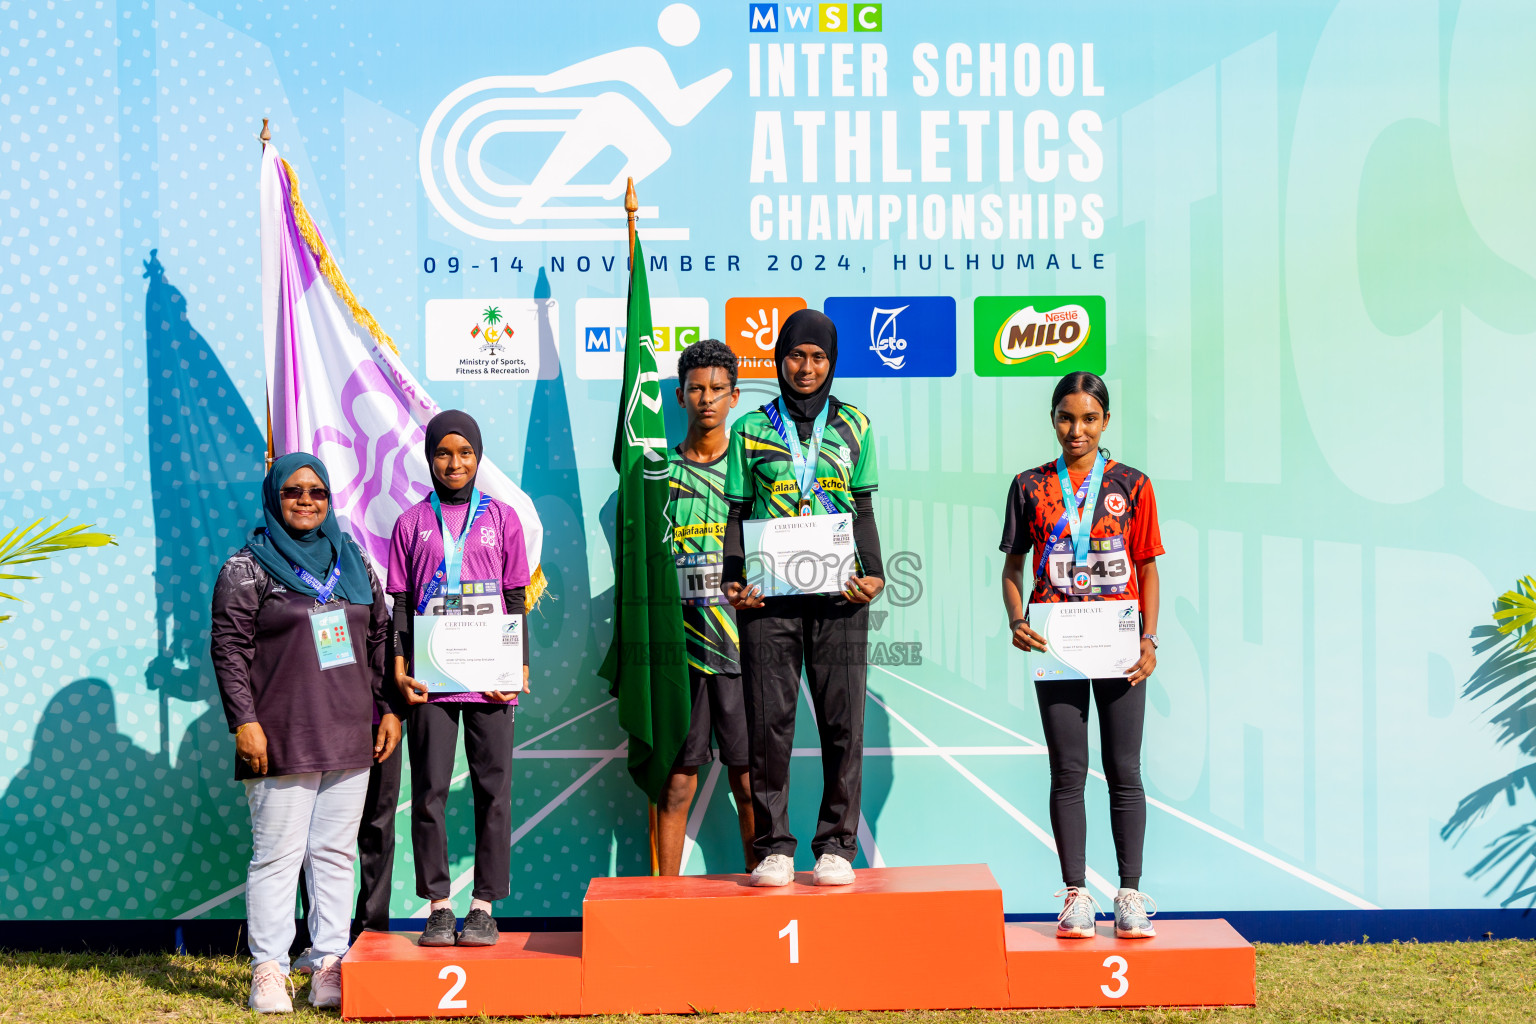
(1076, 918)
(1132, 918)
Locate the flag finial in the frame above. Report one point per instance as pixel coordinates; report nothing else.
(631, 207)
(266, 133)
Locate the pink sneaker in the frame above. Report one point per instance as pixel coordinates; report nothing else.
(325, 987)
(270, 991)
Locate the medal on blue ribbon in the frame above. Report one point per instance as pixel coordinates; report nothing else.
(448, 571)
(804, 467)
(1078, 518)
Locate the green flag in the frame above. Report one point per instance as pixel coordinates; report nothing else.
(646, 664)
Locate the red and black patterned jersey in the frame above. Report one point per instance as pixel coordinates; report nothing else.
(1124, 532)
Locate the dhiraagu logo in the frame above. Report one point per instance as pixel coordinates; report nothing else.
(1039, 335)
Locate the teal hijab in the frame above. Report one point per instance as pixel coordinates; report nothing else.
(279, 549)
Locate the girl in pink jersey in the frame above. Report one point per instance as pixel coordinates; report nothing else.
(494, 570)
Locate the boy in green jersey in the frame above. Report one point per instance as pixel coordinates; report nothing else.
(707, 390)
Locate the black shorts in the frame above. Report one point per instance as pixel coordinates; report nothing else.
(718, 706)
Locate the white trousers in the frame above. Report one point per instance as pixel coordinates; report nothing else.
(307, 821)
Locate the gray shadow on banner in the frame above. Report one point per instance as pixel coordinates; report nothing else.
(206, 466)
(95, 827)
(567, 632)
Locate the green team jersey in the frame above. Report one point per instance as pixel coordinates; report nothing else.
(697, 507)
(760, 468)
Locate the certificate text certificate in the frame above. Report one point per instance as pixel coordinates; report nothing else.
(468, 653)
(799, 554)
(1085, 639)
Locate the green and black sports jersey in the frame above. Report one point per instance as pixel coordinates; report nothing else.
(697, 507)
(760, 467)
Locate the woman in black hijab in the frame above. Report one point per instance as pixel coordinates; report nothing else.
(487, 574)
(299, 630)
(806, 453)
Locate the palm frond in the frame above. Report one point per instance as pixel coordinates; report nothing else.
(36, 543)
(1515, 614)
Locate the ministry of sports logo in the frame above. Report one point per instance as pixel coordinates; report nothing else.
(553, 202)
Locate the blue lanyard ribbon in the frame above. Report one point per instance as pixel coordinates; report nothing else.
(452, 565)
(323, 591)
(805, 468)
(1085, 500)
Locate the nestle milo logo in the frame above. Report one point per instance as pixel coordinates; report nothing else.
(1038, 335)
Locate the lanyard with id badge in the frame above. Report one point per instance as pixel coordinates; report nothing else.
(327, 624)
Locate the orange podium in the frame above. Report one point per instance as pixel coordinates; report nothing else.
(898, 938)
(385, 975)
(1189, 963)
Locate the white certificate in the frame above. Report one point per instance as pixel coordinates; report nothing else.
(799, 554)
(469, 653)
(1086, 639)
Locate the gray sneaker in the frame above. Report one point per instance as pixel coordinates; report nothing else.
(1132, 918)
(1076, 918)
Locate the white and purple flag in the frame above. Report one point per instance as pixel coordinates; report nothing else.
(340, 391)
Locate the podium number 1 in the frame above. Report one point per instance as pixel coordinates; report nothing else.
(791, 931)
(448, 1002)
(1117, 968)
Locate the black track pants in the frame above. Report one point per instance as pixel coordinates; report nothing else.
(827, 636)
(376, 844)
(433, 732)
(1064, 714)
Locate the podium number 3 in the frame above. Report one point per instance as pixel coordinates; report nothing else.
(448, 1002)
(1117, 968)
(791, 931)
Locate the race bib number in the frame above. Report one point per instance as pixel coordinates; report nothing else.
(698, 579)
(479, 597)
(1108, 567)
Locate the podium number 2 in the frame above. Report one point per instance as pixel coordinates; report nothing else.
(791, 931)
(1117, 968)
(448, 1002)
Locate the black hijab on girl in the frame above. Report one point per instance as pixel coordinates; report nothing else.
(452, 421)
(806, 327)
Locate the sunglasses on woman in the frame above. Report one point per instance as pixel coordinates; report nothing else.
(295, 493)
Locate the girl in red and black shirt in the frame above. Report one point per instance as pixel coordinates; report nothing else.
(1121, 566)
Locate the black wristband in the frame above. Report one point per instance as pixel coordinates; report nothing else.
(1015, 623)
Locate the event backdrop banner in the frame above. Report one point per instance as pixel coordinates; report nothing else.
(1297, 239)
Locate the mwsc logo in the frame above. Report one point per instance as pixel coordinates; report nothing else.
(676, 323)
(815, 17)
(1038, 335)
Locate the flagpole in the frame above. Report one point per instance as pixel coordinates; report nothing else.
(631, 209)
(266, 136)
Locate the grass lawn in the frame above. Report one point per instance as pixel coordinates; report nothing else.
(1489, 982)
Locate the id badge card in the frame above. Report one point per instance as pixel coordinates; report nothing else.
(332, 636)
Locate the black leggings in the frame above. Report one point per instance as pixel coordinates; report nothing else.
(1064, 714)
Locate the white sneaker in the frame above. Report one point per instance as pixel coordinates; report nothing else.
(833, 870)
(269, 989)
(775, 869)
(1132, 918)
(325, 988)
(1076, 918)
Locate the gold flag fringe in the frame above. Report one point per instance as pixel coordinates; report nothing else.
(538, 584)
(328, 267)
